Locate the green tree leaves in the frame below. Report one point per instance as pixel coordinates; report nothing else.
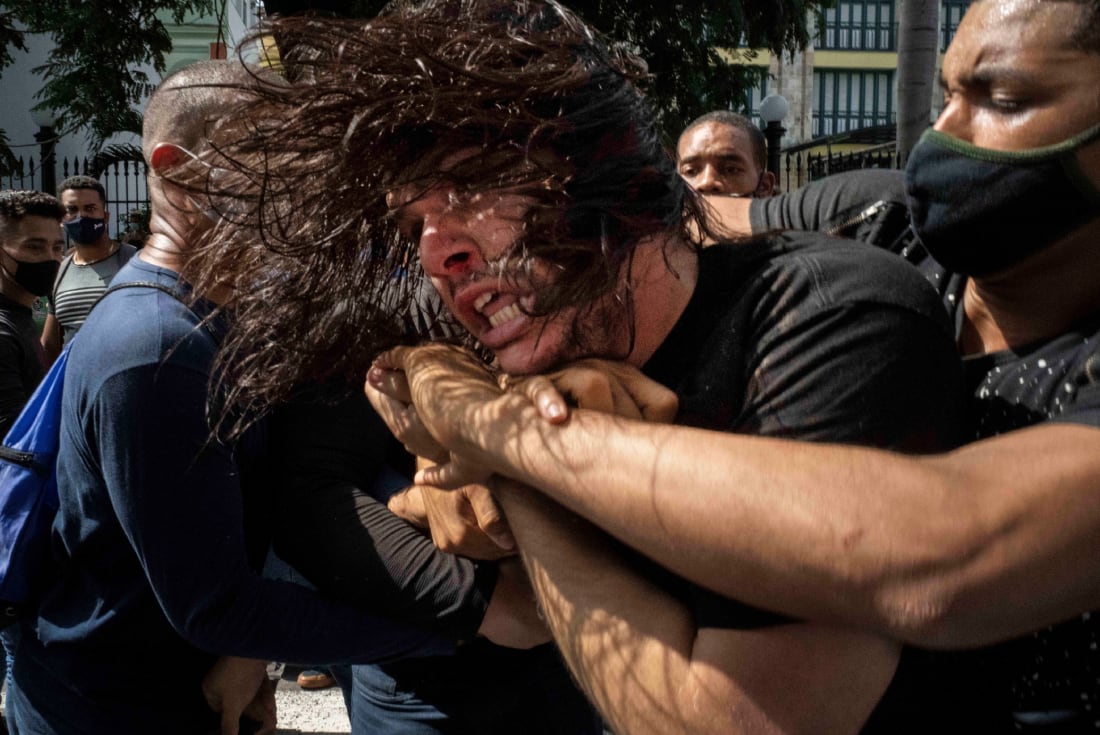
(93, 75)
(682, 42)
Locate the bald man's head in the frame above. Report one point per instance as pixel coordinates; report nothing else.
(185, 106)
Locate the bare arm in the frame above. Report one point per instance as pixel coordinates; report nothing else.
(51, 339)
(993, 540)
(638, 655)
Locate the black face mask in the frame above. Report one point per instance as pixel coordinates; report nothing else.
(979, 211)
(85, 230)
(35, 278)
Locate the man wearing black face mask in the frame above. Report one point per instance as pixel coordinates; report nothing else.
(29, 247)
(92, 262)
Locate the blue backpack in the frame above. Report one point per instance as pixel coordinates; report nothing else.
(28, 484)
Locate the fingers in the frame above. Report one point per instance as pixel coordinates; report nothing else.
(409, 504)
(543, 395)
(230, 722)
(618, 388)
(454, 523)
(657, 403)
(440, 475)
(391, 382)
(489, 516)
(403, 421)
(262, 709)
(453, 474)
(393, 359)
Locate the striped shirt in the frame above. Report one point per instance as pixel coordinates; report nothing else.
(78, 286)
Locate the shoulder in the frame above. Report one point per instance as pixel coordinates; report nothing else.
(868, 205)
(817, 270)
(16, 320)
(66, 262)
(139, 324)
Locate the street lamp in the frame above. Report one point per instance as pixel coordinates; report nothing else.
(45, 119)
(773, 109)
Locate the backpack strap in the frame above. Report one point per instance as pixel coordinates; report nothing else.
(140, 284)
(204, 322)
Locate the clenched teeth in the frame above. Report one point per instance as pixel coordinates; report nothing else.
(508, 313)
(482, 300)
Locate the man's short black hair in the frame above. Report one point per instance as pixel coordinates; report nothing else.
(16, 204)
(1085, 35)
(740, 122)
(83, 182)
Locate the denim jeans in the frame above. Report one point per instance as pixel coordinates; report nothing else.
(482, 689)
(9, 637)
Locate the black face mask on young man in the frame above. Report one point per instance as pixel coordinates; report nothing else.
(35, 278)
(979, 211)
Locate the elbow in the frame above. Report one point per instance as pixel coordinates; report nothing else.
(918, 613)
(925, 604)
(217, 623)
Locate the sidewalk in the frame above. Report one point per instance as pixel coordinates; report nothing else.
(309, 713)
(300, 712)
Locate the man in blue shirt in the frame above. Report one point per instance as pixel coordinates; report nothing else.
(155, 561)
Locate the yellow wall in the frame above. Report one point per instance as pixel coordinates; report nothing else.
(855, 60)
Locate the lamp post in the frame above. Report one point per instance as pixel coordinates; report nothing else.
(45, 119)
(773, 109)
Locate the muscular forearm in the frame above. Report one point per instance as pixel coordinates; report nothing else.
(638, 654)
(635, 671)
(990, 541)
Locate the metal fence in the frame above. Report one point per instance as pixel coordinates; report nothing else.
(127, 196)
(798, 168)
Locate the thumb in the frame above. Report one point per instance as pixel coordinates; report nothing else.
(445, 476)
(230, 722)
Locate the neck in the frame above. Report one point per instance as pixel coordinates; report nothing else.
(1036, 299)
(662, 278)
(98, 250)
(162, 251)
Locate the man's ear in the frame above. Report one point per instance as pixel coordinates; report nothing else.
(166, 156)
(766, 187)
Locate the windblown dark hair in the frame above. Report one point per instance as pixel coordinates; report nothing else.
(541, 104)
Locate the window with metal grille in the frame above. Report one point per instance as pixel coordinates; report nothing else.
(851, 99)
(859, 25)
(951, 13)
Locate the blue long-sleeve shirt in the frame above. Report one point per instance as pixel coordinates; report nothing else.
(154, 573)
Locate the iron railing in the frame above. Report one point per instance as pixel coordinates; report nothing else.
(127, 196)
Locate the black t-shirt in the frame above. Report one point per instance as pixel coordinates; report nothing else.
(329, 445)
(815, 338)
(803, 336)
(1048, 681)
(1054, 671)
(20, 360)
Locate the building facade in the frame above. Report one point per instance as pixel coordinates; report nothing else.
(30, 132)
(842, 89)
